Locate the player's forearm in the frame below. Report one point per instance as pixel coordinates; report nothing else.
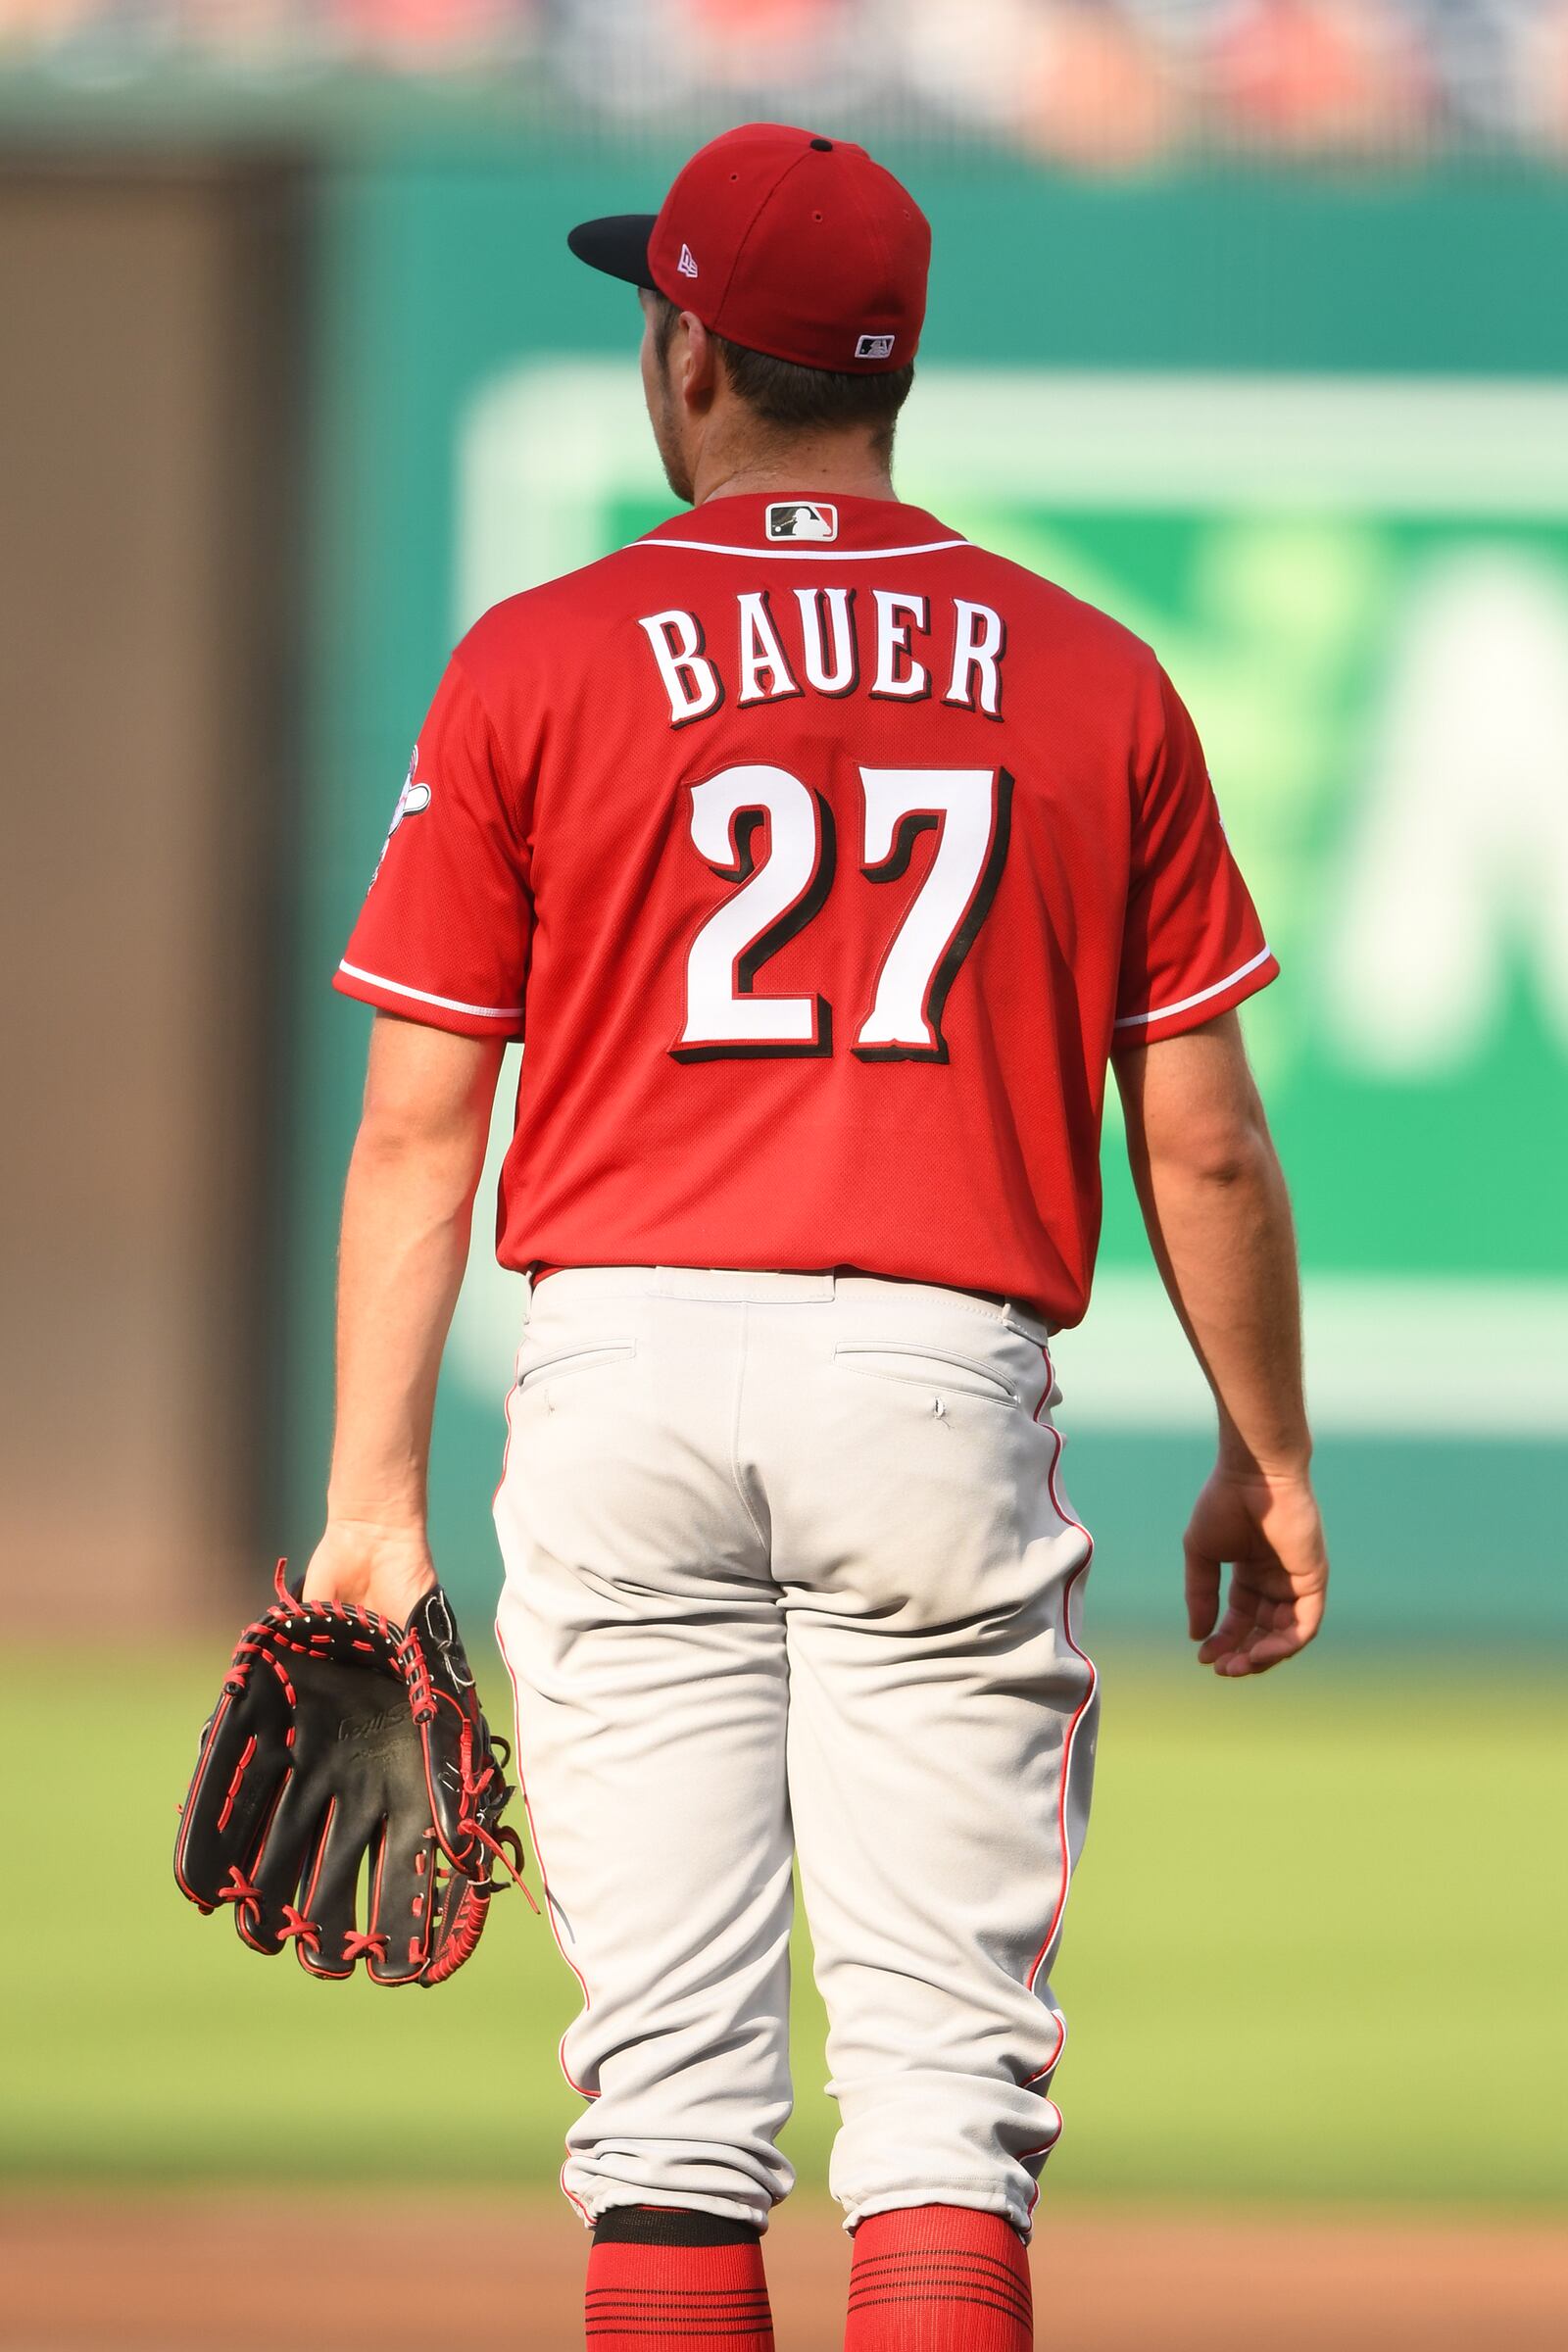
(1222, 1234)
(406, 1214)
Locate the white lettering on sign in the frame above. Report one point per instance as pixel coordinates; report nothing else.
(1457, 872)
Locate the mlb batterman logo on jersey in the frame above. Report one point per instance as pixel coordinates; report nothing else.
(800, 518)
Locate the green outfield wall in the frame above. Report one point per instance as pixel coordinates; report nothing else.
(1311, 440)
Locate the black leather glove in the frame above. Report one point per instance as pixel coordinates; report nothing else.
(344, 1748)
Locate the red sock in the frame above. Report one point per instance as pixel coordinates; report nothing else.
(939, 2278)
(648, 2298)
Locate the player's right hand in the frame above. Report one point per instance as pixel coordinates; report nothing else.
(387, 1569)
(1266, 1526)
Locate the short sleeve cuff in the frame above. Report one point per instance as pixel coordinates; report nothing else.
(1203, 1005)
(420, 1004)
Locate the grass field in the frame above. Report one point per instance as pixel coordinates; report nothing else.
(1313, 1954)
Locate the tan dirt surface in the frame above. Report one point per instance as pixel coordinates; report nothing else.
(228, 2272)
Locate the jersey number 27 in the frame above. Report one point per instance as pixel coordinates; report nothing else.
(969, 811)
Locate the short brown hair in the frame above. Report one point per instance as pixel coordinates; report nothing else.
(793, 398)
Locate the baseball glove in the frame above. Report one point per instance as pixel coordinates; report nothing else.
(344, 1747)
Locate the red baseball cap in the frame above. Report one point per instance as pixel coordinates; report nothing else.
(785, 242)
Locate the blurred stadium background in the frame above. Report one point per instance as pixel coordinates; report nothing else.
(1250, 322)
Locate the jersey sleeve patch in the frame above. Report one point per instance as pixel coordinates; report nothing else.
(445, 932)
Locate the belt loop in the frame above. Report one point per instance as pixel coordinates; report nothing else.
(526, 1279)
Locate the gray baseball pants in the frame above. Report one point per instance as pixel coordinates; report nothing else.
(790, 1570)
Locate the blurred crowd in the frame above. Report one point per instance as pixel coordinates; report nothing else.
(1090, 81)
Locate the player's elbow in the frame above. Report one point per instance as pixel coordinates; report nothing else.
(427, 1093)
(431, 1149)
(1218, 1150)
(1194, 1113)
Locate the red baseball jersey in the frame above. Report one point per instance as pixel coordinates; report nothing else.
(823, 859)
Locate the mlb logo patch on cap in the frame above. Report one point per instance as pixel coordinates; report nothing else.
(800, 518)
(875, 347)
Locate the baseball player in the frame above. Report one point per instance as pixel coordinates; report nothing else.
(824, 862)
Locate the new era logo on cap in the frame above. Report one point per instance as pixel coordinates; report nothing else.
(875, 347)
(800, 518)
(686, 266)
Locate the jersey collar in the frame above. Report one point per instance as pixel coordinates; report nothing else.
(803, 524)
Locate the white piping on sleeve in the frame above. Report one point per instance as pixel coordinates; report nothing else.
(422, 996)
(1136, 1020)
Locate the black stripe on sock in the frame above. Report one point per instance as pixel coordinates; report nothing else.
(977, 2300)
(743, 2299)
(934, 2254)
(748, 2334)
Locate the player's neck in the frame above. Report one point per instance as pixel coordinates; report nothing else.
(806, 466)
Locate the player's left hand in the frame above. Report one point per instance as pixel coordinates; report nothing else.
(368, 1565)
(1267, 1525)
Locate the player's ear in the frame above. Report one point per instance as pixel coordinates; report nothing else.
(697, 362)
